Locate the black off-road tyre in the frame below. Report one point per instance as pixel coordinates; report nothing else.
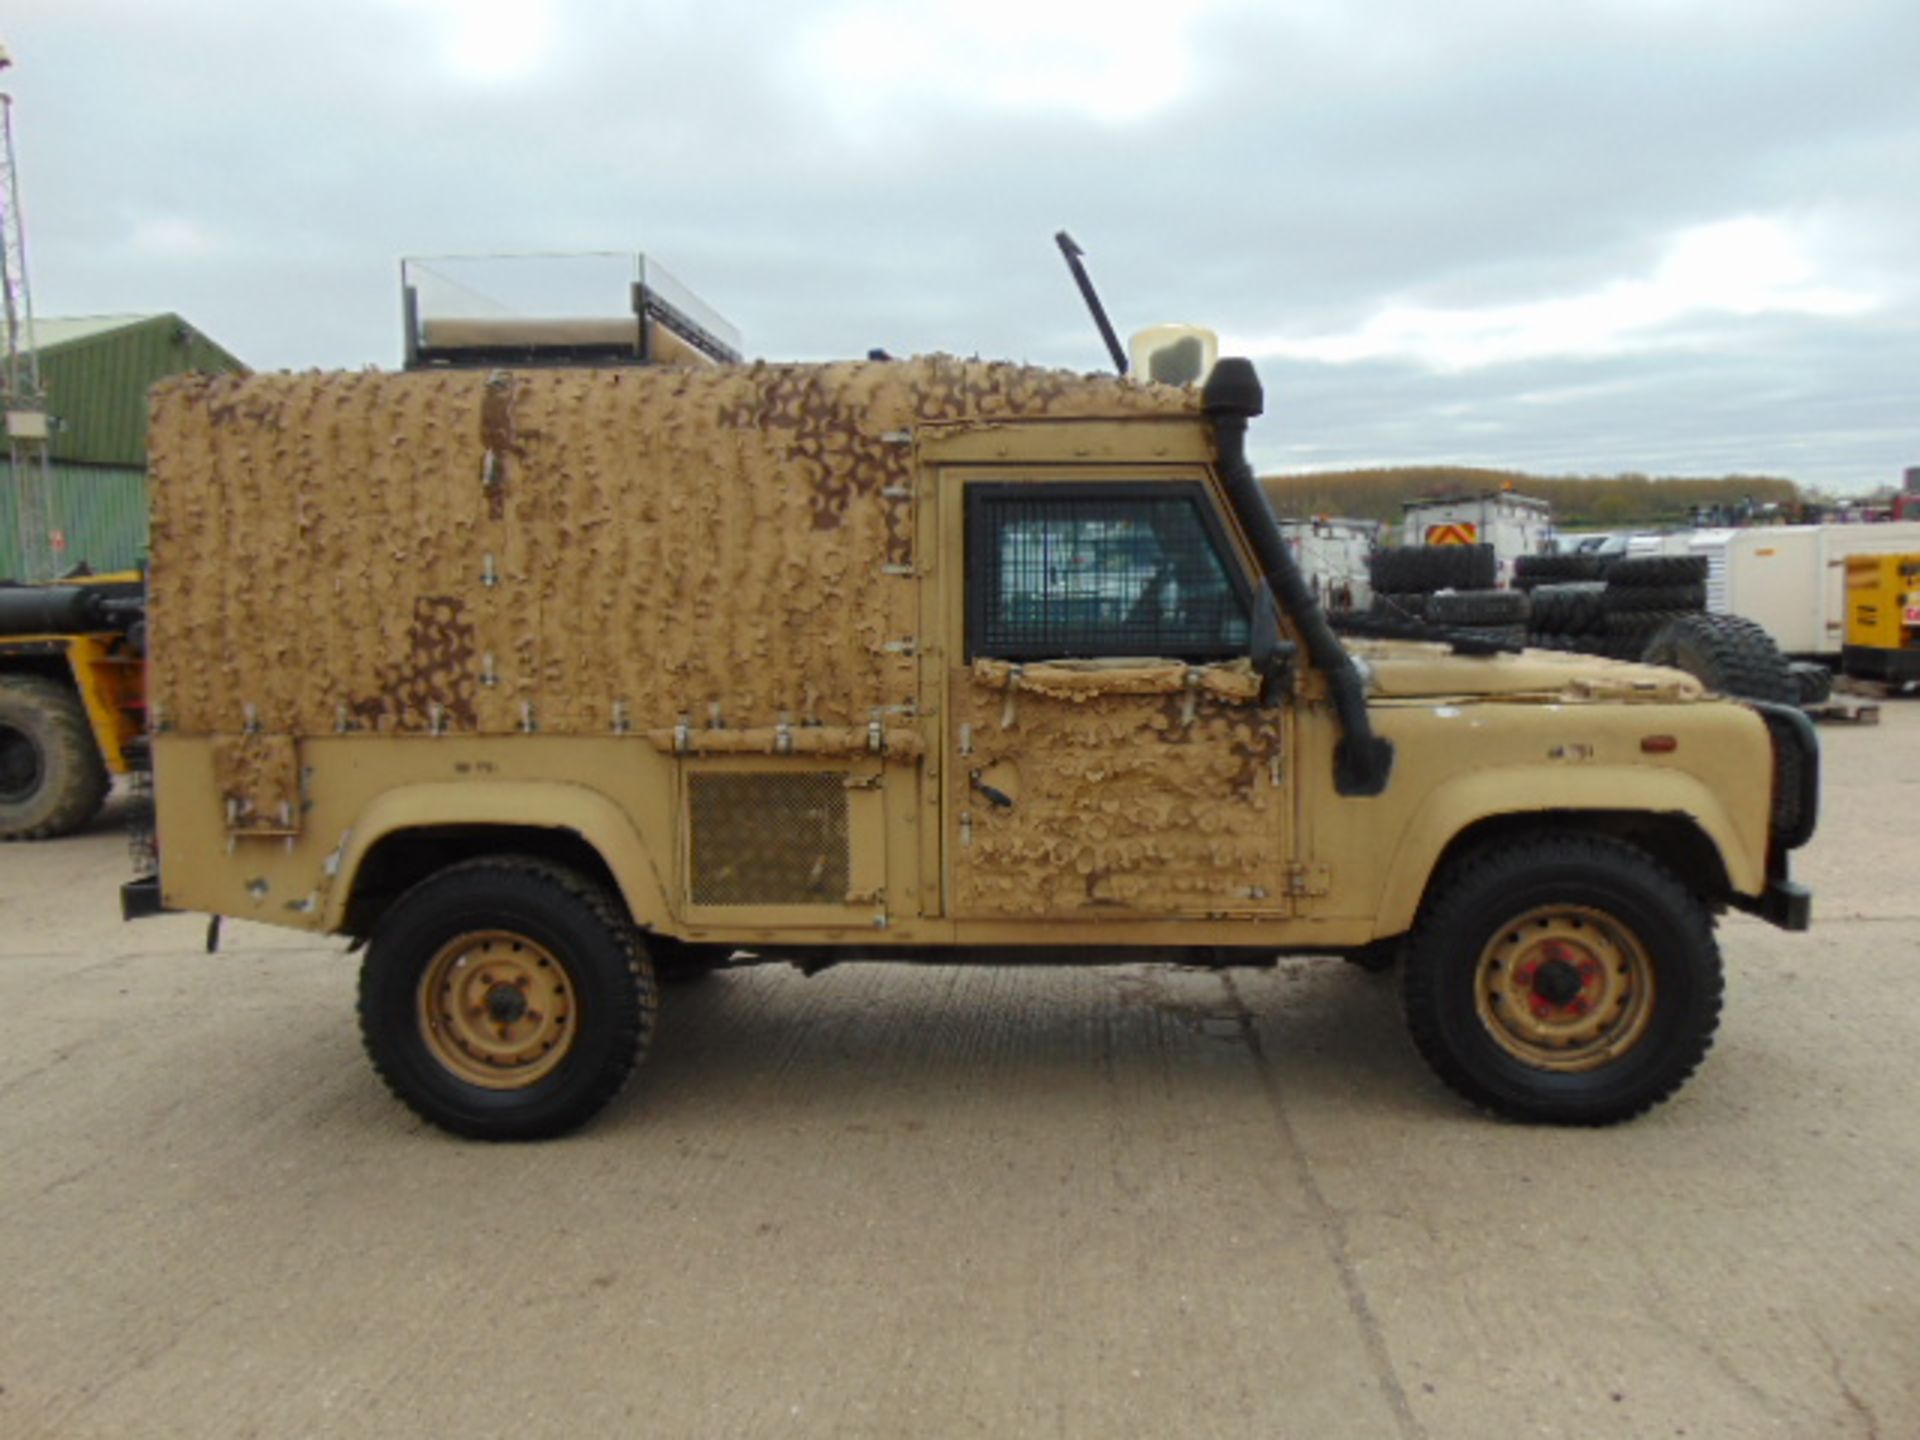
(1813, 680)
(1729, 654)
(1402, 606)
(1398, 570)
(1640, 624)
(1571, 608)
(52, 779)
(1648, 572)
(1477, 607)
(1422, 569)
(1629, 934)
(1677, 599)
(447, 954)
(1531, 571)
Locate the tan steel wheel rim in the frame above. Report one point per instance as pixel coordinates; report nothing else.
(496, 1009)
(1565, 987)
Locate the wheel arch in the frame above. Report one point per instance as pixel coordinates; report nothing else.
(408, 834)
(1675, 818)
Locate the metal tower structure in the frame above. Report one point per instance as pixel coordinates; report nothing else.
(29, 464)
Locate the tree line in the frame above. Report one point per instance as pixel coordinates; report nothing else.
(1598, 502)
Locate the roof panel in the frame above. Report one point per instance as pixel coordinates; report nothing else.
(49, 331)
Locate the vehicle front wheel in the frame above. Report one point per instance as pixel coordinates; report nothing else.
(1568, 979)
(506, 999)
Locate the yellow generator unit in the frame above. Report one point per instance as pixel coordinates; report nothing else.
(1883, 618)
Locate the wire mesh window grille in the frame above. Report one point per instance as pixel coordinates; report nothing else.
(769, 839)
(1081, 571)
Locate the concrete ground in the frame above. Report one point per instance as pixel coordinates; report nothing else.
(887, 1201)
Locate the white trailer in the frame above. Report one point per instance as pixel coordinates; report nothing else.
(1514, 525)
(1332, 555)
(1791, 579)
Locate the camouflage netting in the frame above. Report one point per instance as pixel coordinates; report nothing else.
(1165, 803)
(573, 551)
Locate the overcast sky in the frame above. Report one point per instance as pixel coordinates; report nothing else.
(1675, 236)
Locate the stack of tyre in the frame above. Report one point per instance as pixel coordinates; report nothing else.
(1601, 606)
(1565, 593)
(1445, 587)
(1644, 595)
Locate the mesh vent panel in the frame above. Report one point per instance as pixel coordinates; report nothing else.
(769, 839)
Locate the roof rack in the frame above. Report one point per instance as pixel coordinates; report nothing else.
(467, 311)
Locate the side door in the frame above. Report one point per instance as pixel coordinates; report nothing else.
(1107, 754)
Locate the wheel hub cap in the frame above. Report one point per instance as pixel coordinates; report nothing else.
(1565, 987)
(496, 1009)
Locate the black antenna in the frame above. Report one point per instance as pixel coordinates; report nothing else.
(1073, 252)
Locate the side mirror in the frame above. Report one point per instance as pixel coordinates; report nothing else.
(1272, 655)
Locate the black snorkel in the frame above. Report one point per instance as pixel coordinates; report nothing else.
(1232, 396)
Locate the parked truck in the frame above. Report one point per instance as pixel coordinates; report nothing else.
(1513, 524)
(1792, 579)
(606, 677)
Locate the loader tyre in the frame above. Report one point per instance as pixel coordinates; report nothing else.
(1727, 653)
(1565, 979)
(506, 998)
(52, 778)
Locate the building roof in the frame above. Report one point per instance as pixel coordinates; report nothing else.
(96, 370)
(50, 331)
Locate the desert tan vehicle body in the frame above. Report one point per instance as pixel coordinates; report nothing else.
(928, 658)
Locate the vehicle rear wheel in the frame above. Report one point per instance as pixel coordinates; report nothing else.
(1569, 979)
(506, 999)
(52, 778)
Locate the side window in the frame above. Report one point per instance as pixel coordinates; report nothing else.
(1084, 571)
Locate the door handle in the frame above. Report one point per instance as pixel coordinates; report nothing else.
(999, 798)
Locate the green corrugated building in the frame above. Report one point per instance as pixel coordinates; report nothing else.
(96, 370)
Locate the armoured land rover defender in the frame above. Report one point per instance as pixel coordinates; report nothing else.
(602, 678)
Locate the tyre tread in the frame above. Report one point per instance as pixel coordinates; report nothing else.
(632, 1041)
(1463, 885)
(78, 760)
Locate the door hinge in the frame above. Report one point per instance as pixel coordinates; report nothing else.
(1309, 879)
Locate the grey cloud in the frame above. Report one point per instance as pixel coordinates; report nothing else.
(1473, 155)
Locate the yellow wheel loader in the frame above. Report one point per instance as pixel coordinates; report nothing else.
(72, 698)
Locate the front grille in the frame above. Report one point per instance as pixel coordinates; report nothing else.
(768, 839)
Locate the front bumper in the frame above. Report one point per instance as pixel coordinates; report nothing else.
(1783, 903)
(1792, 816)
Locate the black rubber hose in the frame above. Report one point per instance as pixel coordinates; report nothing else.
(46, 610)
(1362, 760)
(69, 609)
